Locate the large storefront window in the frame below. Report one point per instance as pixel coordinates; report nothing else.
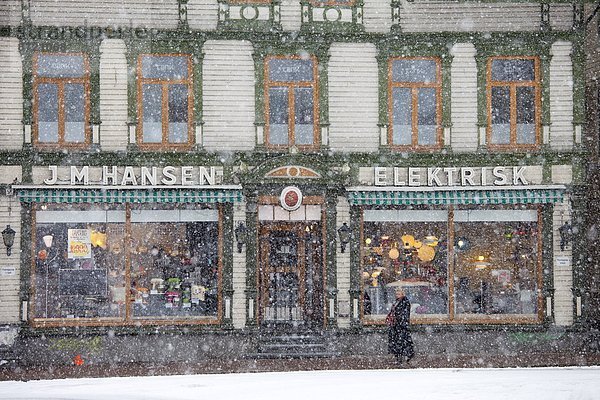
(490, 272)
(175, 263)
(405, 249)
(496, 259)
(79, 262)
(127, 262)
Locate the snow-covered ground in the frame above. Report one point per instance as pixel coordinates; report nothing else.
(426, 384)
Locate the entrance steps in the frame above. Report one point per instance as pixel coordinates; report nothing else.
(291, 345)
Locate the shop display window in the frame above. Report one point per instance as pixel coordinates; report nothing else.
(61, 99)
(291, 98)
(175, 262)
(405, 249)
(79, 262)
(496, 262)
(126, 262)
(489, 271)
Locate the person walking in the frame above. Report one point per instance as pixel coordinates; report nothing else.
(400, 342)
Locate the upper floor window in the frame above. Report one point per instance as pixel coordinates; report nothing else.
(291, 102)
(61, 100)
(513, 94)
(165, 101)
(415, 108)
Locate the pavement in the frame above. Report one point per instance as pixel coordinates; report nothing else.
(14, 371)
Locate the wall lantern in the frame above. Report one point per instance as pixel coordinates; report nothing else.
(566, 234)
(8, 236)
(462, 244)
(240, 235)
(344, 234)
(48, 240)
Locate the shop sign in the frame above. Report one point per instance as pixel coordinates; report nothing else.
(137, 176)
(290, 198)
(8, 271)
(450, 176)
(80, 243)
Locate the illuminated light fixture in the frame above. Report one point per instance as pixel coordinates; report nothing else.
(368, 241)
(481, 263)
(48, 240)
(344, 235)
(462, 243)
(431, 240)
(8, 236)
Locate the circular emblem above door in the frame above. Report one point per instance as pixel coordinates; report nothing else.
(291, 198)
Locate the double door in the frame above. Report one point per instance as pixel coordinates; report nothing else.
(291, 273)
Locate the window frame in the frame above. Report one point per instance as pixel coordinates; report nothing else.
(414, 86)
(314, 84)
(60, 83)
(451, 317)
(127, 319)
(512, 85)
(164, 83)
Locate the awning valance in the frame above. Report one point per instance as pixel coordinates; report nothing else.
(538, 194)
(222, 194)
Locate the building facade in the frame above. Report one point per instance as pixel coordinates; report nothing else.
(184, 177)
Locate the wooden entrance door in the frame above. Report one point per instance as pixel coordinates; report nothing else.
(291, 273)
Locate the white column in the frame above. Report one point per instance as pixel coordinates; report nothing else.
(343, 266)
(239, 272)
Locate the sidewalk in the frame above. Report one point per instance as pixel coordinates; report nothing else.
(16, 372)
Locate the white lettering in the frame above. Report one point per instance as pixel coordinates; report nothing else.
(484, 176)
(414, 177)
(432, 175)
(109, 175)
(186, 175)
(149, 176)
(128, 177)
(518, 175)
(169, 176)
(466, 176)
(450, 172)
(498, 172)
(397, 180)
(380, 176)
(53, 175)
(206, 177)
(80, 175)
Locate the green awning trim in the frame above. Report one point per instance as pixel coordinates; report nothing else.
(129, 196)
(456, 197)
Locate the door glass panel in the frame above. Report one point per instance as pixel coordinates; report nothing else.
(278, 116)
(402, 116)
(152, 113)
(47, 113)
(500, 115)
(178, 113)
(74, 113)
(304, 119)
(427, 113)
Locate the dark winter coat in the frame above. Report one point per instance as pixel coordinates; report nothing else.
(399, 340)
